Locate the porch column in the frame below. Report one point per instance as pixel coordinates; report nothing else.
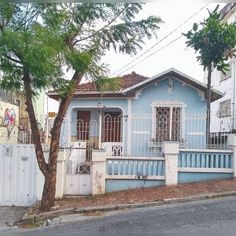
(171, 151)
(68, 120)
(61, 171)
(98, 172)
(100, 130)
(129, 131)
(232, 145)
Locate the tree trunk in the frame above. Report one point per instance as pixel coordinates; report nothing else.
(49, 169)
(49, 191)
(50, 179)
(34, 125)
(208, 119)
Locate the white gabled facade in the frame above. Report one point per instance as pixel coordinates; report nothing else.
(223, 110)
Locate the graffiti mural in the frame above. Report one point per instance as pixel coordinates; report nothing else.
(9, 120)
(8, 123)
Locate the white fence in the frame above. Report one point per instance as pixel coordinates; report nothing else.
(18, 174)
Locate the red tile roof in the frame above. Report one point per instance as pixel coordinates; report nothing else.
(126, 82)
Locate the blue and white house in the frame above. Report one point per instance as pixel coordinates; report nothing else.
(149, 133)
(170, 106)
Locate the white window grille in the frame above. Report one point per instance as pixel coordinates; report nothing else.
(168, 122)
(225, 108)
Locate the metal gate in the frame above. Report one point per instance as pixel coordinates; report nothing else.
(78, 170)
(17, 175)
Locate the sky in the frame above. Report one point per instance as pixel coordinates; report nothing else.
(165, 54)
(176, 54)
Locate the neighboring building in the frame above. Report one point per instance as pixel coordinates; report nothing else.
(39, 109)
(13, 117)
(170, 106)
(223, 111)
(14, 120)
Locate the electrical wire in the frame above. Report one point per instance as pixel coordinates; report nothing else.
(122, 69)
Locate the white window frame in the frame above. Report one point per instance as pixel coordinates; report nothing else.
(171, 105)
(227, 112)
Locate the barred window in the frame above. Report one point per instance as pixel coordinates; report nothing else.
(225, 108)
(168, 124)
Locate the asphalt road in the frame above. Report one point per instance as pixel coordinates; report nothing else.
(209, 217)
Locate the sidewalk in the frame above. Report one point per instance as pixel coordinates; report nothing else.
(8, 215)
(145, 195)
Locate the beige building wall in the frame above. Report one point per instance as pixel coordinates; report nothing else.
(9, 122)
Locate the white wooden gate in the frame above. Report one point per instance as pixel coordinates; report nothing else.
(78, 171)
(17, 175)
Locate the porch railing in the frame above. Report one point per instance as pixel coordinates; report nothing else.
(143, 135)
(133, 168)
(211, 160)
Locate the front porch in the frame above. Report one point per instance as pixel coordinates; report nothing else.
(97, 127)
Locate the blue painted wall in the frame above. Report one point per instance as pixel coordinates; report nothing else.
(157, 92)
(118, 185)
(186, 177)
(194, 120)
(84, 103)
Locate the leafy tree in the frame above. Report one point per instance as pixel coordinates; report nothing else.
(214, 41)
(38, 40)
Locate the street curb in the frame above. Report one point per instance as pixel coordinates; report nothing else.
(30, 218)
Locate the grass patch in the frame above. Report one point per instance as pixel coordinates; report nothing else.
(32, 225)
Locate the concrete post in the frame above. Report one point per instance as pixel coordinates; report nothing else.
(232, 145)
(39, 175)
(39, 183)
(171, 151)
(61, 168)
(98, 172)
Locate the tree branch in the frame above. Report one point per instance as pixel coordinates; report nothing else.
(56, 129)
(105, 26)
(25, 21)
(12, 59)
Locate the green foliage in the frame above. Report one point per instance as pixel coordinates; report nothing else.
(214, 41)
(79, 60)
(41, 40)
(108, 84)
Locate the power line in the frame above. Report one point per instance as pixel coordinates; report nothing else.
(120, 70)
(166, 45)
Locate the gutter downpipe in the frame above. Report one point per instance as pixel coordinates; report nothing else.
(233, 104)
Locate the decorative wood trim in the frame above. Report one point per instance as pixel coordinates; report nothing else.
(138, 93)
(147, 132)
(205, 170)
(197, 133)
(122, 158)
(135, 177)
(206, 150)
(167, 103)
(129, 137)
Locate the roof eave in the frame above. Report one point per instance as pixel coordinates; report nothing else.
(185, 78)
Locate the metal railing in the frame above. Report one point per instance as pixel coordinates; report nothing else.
(143, 134)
